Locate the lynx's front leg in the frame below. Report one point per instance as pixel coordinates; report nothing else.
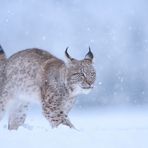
(54, 113)
(17, 115)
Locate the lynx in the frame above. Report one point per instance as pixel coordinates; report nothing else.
(35, 75)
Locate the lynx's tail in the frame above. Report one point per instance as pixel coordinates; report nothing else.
(2, 54)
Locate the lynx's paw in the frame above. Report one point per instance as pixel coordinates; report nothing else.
(68, 123)
(17, 115)
(13, 126)
(64, 121)
(16, 121)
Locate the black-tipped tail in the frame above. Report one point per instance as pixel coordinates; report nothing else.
(2, 53)
(1, 50)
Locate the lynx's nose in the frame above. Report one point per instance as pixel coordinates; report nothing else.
(90, 85)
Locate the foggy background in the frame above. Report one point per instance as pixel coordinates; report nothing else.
(117, 32)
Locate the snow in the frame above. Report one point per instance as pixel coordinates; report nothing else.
(99, 128)
(117, 32)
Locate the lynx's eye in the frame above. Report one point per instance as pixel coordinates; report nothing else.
(79, 74)
(82, 74)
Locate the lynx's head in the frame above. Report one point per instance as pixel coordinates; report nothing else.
(81, 73)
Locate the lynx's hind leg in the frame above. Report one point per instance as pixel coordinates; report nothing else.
(17, 115)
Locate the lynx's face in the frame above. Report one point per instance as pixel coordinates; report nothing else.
(81, 74)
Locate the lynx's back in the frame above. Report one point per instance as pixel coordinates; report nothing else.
(30, 63)
(30, 58)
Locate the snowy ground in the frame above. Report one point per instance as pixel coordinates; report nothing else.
(102, 128)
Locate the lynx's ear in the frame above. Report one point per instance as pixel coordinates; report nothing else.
(67, 55)
(89, 55)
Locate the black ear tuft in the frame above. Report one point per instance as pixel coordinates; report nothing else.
(89, 55)
(67, 54)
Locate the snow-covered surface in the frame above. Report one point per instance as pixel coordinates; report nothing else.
(100, 128)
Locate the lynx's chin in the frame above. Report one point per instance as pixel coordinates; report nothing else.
(79, 90)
